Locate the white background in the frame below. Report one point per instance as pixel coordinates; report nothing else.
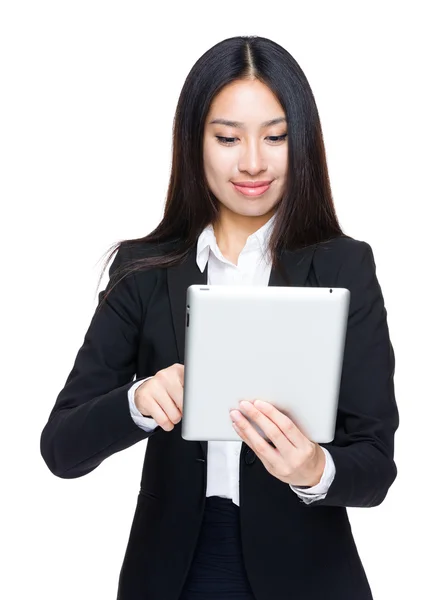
(88, 93)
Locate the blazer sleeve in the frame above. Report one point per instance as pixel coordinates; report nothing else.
(91, 419)
(367, 418)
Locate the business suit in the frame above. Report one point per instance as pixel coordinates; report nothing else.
(253, 268)
(291, 550)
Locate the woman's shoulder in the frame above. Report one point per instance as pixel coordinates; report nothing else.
(342, 244)
(342, 248)
(138, 249)
(339, 256)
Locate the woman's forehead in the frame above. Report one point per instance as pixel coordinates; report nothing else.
(244, 103)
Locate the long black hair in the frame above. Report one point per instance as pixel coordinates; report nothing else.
(305, 214)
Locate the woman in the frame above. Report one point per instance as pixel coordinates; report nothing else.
(239, 520)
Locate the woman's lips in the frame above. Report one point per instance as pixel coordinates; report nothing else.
(247, 191)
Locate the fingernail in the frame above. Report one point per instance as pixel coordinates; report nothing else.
(235, 415)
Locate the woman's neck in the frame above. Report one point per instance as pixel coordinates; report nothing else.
(231, 232)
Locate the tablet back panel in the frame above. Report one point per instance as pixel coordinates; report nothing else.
(281, 344)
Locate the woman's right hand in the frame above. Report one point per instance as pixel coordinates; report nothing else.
(161, 396)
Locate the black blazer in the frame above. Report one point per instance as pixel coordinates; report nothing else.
(291, 550)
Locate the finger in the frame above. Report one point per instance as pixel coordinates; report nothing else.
(253, 439)
(167, 408)
(285, 424)
(160, 417)
(282, 442)
(180, 373)
(176, 392)
(173, 386)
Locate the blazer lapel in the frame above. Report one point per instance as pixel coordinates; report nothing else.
(179, 277)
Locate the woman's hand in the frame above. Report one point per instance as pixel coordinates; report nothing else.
(295, 459)
(161, 397)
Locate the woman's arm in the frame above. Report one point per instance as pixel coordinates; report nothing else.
(91, 419)
(363, 447)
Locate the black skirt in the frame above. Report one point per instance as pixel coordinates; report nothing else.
(217, 571)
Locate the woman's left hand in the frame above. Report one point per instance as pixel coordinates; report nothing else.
(295, 459)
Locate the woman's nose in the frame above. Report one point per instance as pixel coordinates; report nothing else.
(252, 158)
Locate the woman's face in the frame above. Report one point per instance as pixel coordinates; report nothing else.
(254, 151)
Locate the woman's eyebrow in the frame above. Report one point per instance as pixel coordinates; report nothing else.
(241, 125)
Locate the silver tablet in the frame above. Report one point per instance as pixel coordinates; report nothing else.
(284, 345)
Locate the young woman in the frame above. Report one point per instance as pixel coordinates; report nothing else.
(249, 202)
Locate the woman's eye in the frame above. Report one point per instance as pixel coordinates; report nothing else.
(278, 138)
(224, 140)
(228, 141)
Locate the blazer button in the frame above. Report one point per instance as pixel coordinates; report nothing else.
(250, 457)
